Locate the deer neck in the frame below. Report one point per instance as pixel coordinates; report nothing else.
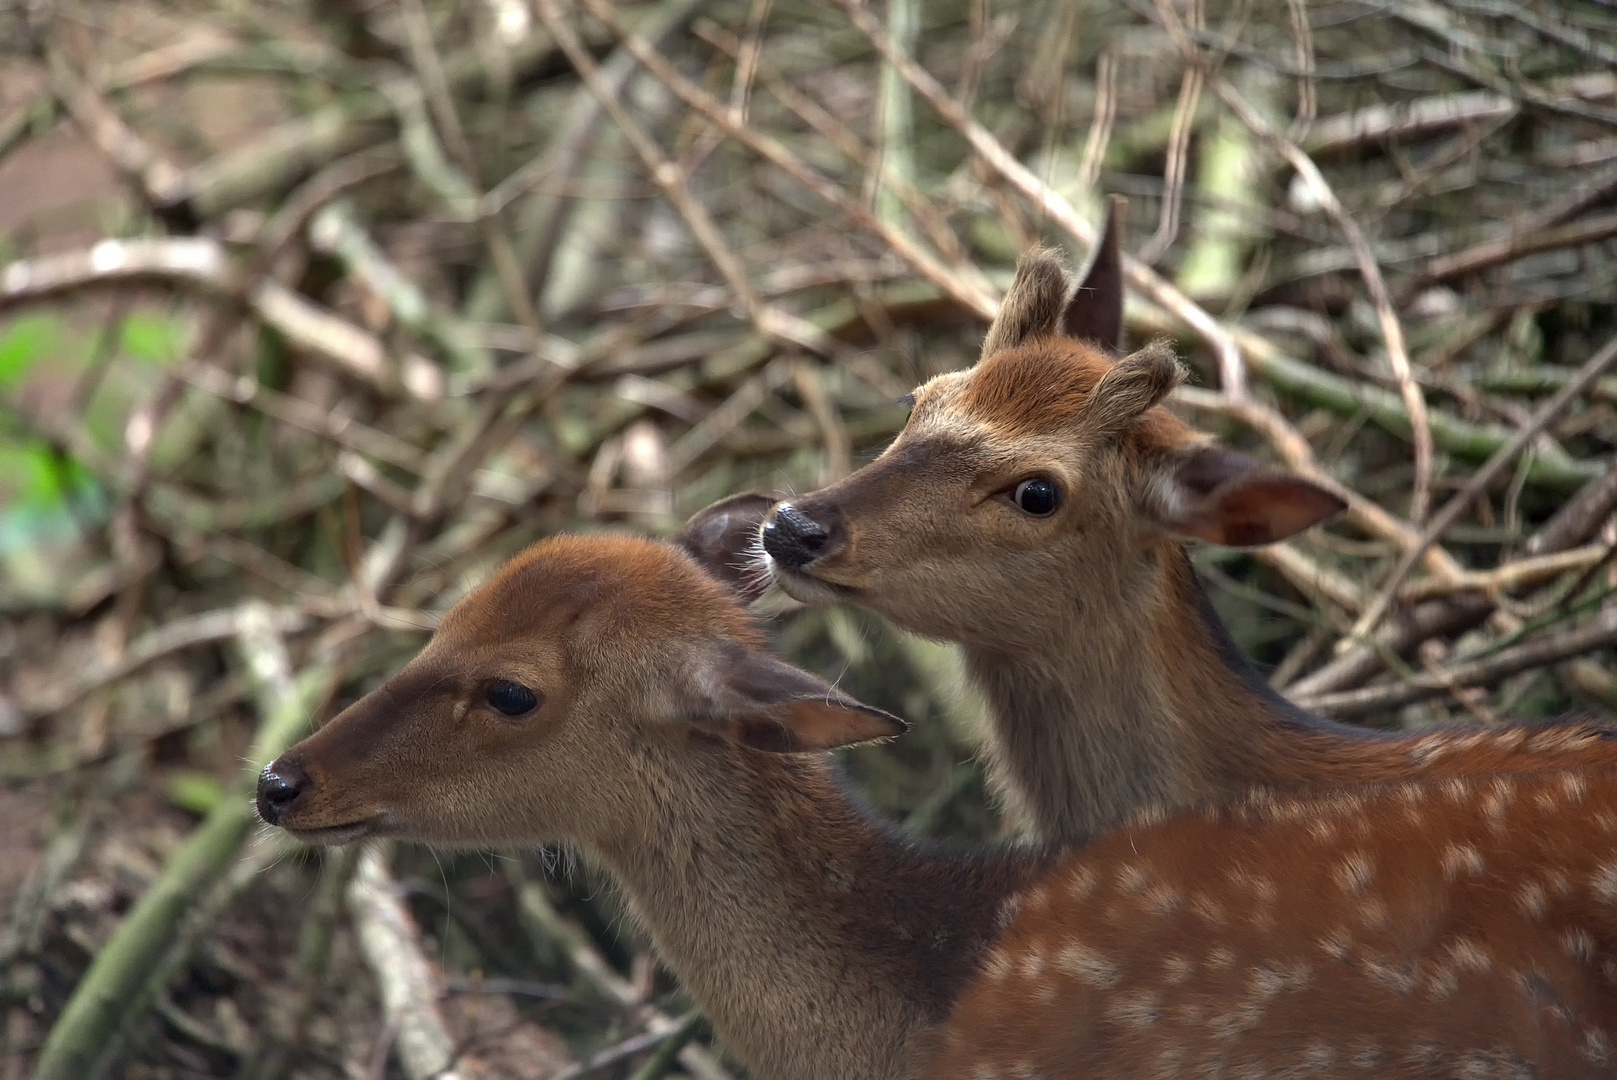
(1141, 700)
(819, 944)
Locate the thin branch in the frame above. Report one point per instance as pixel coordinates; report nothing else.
(1591, 371)
(1392, 331)
(1052, 204)
(1527, 656)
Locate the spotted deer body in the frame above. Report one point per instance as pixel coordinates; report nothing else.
(1458, 928)
(606, 693)
(1035, 510)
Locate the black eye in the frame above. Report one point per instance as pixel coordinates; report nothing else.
(1037, 496)
(511, 699)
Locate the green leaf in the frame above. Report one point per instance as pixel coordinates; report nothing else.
(36, 479)
(154, 339)
(196, 792)
(23, 342)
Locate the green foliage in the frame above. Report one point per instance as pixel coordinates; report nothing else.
(40, 480)
(195, 792)
(155, 339)
(23, 342)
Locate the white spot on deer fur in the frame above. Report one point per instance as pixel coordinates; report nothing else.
(1579, 944)
(1390, 976)
(1033, 965)
(1423, 1054)
(1226, 1027)
(1457, 790)
(1596, 1048)
(1262, 887)
(1574, 785)
(1373, 912)
(1604, 882)
(1208, 908)
(1606, 820)
(1088, 965)
(1220, 958)
(1425, 751)
(1467, 955)
(1530, 898)
(1500, 794)
(1354, 872)
(1442, 982)
(1131, 878)
(1161, 899)
(984, 1071)
(1081, 882)
(1323, 830)
(1318, 1057)
(1364, 1055)
(1170, 1061)
(1038, 898)
(1138, 1008)
(1337, 943)
(1458, 857)
(998, 965)
(1177, 969)
(1548, 740)
(1510, 738)
(1479, 1065)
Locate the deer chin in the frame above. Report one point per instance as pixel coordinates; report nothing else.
(805, 587)
(334, 835)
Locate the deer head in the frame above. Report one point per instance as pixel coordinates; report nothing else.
(1031, 489)
(552, 703)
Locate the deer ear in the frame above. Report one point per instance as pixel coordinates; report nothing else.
(1133, 385)
(1095, 312)
(723, 539)
(1032, 306)
(767, 704)
(1225, 498)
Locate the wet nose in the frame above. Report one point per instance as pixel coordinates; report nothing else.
(794, 539)
(279, 786)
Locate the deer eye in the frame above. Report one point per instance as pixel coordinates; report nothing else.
(1038, 497)
(510, 698)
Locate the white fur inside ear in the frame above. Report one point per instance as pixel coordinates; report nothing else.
(1165, 498)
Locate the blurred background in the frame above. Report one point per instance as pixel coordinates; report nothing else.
(312, 313)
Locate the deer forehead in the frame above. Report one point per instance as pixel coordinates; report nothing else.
(1042, 388)
(592, 592)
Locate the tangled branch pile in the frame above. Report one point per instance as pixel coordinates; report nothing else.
(376, 293)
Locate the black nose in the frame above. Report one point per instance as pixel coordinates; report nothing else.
(279, 786)
(793, 538)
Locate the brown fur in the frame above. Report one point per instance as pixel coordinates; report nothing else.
(1112, 685)
(1437, 924)
(1440, 929)
(1033, 306)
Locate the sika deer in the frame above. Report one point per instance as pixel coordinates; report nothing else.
(606, 693)
(1035, 510)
